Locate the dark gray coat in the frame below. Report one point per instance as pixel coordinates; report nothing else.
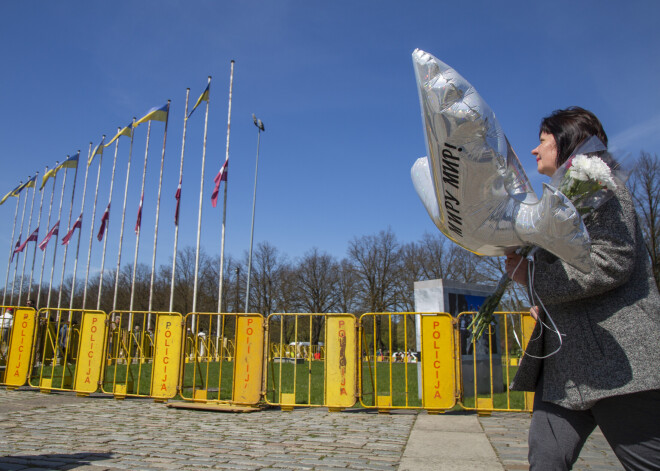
(609, 318)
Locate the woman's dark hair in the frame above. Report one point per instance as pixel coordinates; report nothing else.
(570, 127)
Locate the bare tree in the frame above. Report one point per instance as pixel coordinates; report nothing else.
(347, 287)
(184, 280)
(317, 278)
(265, 277)
(413, 268)
(375, 259)
(287, 300)
(431, 256)
(645, 188)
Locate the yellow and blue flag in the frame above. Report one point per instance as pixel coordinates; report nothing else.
(125, 131)
(50, 173)
(70, 162)
(155, 114)
(13, 192)
(16, 191)
(28, 184)
(203, 97)
(98, 150)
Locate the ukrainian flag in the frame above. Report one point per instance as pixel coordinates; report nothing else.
(50, 173)
(203, 97)
(19, 188)
(13, 192)
(126, 131)
(70, 162)
(155, 114)
(29, 183)
(98, 150)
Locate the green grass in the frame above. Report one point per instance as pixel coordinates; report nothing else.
(309, 382)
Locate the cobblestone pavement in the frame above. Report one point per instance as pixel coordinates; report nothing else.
(507, 433)
(60, 431)
(64, 432)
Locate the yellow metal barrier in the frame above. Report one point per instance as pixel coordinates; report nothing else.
(311, 360)
(17, 327)
(69, 348)
(167, 355)
(144, 351)
(223, 358)
(407, 361)
(487, 366)
(401, 360)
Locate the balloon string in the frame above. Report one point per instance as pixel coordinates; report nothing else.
(534, 295)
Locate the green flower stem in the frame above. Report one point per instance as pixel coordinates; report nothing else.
(485, 317)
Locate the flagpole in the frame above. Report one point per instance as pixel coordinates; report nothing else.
(199, 213)
(11, 249)
(138, 224)
(260, 127)
(82, 210)
(176, 221)
(224, 203)
(107, 226)
(160, 185)
(34, 251)
(43, 252)
(91, 227)
(20, 236)
(68, 225)
(123, 218)
(59, 216)
(29, 234)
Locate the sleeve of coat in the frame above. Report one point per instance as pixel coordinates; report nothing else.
(612, 229)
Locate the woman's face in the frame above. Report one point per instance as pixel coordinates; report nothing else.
(546, 154)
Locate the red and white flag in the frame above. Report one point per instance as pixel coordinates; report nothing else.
(139, 216)
(76, 225)
(104, 221)
(33, 238)
(220, 177)
(178, 202)
(18, 244)
(51, 233)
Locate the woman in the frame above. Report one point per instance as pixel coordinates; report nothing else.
(606, 371)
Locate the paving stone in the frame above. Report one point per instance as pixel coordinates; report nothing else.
(96, 434)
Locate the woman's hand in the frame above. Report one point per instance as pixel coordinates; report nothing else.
(516, 268)
(534, 311)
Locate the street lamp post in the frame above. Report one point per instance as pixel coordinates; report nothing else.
(260, 127)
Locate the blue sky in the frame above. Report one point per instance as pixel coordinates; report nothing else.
(334, 85)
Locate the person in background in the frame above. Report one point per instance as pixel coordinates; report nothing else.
(6, 322)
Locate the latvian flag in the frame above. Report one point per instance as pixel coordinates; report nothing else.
(104, 222)
(76, 225)
(51, 233)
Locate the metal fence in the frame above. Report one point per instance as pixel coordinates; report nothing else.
(222, 358)
(311, 360)
(488, 365)
(385, 361)
(68, 350)
(17, 326)
(143, 354)
(407, 361)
